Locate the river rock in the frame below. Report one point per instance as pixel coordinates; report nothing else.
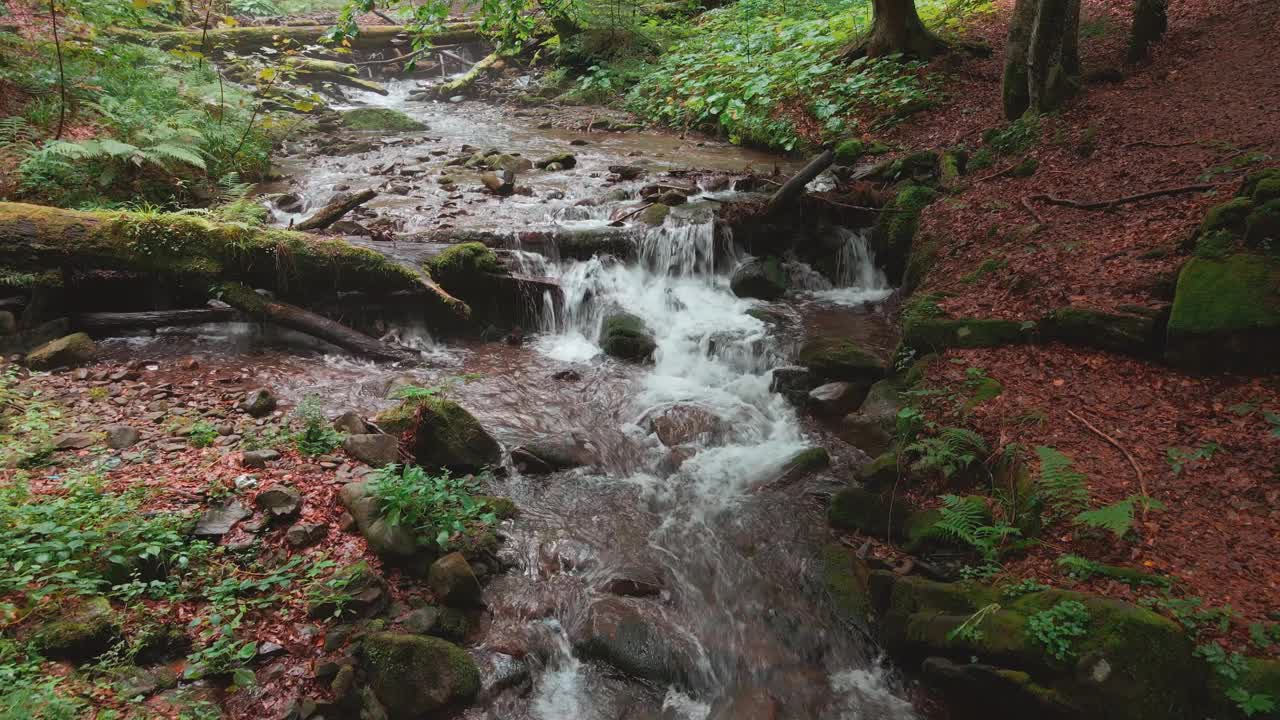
(616, 632)
(68, 351)
(838, 358)
(793, 382)
(564, 160)
(553, 454)
(871, 429)
(374, 449)
(305, 534)
(279, 501)
(443, 435)
(680, 424)
(836, 398)
(258, 403)
(625, 337)
(442, 622)
(81, 633)
(876, 514)
(453, 581)
(509, 163)
(120, 437)
(258, 458)
(627, 172)
(501, 185)
(362, 592)
(760, 278)
(388, 541)
(500, 672)
(350, 423)
(413, 675)
(75, 441)
(218, 519)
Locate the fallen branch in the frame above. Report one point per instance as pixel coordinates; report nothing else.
(334, 210)
(1000, 173)
(1026, 203)
(469, 77)
(109, 322)
(295, 318)
(792, 189)
(1150, 143)
(633, 213)
(1107, 204)
(1142, 482)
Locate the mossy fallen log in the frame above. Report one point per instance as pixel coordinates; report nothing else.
(35, 238)
(468, 78)
(372, 37)
(335, 209)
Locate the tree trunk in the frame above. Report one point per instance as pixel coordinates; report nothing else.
(248, 38)
(295, 318)
(896, 28)
(108, 322)
(793, 188)
(335, 209)
(1150, 21)
(292, 264)
(1042, 61)
(469, 77)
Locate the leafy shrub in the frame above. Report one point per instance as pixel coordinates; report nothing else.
(317, 436)
(202, 434)
(1057, 628)
(1015, 138)
(438, 507)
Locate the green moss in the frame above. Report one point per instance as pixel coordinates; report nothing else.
(881, 473)
(83, 633)
(503, 507)
(385, 119)
(1255, 180)
(1226, 315)
(1267, 190)
(1262, 227)
(847, 582)
(444, 435)
(1119, 332)
(69, 351)
(463, 268)
(848, 152)
(835, 358)
(1229, 216)
(938, 333)
(895, 230)
(987, 267)
(655, 214)
(625, 336)
(951, 166)
(414, 674)
(1026, 168)
(876, 514)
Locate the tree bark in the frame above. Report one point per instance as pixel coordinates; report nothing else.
(1042, 61)
(295, 318)
(1150, 21)
(793, 188)
(1016, 95)
(109, 322)
(335, 209)
(896, 28)
(292, 264)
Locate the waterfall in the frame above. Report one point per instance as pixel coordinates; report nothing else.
(858, 279)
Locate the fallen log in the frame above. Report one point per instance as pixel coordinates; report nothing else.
(333, 211)
(103, 323)
(469, 77)
(293, 317)
(240, 39)
(314, 72)
(1116, 202)
(791, 190)
(36, 238)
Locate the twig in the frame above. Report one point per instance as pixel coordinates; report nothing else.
(633, 213)
(204, 33)
(1150, 143)
(1107, 204)
(1026, 203)
(1142, 482)
(998, 173)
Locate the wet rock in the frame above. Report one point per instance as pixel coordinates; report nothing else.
(838, 358)
(350, 423)
(760, 278)
(880, 515)
(350, 227)
(258, 403)
(654, 215)
(746, 704)
(564, 160)
(800, 466)
(363, 593)
(501, 185)
(567, 376)
(80, 633)
(871, 429)
(219, 519)
(550, 455)
(625, 337)
(385, 119)
(412, 675)
(67, 351)
(673, 198)
(452, 580)
(75, 441)
(305, 534)
(633, 581)
(836, 398)
(374, 449)
(279, 501)
(627, 172)
(386, 540)
(258, 458)
(681, 424)
(793, 382)
(509, 163)
(443, 435)
(448, 623)
(120, 437)
(500, 672)
(617, 633)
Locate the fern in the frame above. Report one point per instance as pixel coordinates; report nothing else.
(951, 451)
(1117, 517)
(1060, 485)
(964, 521)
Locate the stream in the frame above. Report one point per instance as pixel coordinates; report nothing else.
(675, 537)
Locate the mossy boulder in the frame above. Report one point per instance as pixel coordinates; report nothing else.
(934, 334)
(353, 590)
(849, 151)
(464, 268)
(624, 336)
(760, 278)
(69, 351)
(442, 435)
(385, 119)
(894, 234)
(847, 580)
(1128, 333)
(81, 633)
(564, 160)
(415, 675)
(655, 214)
(393, 543)
(877, 514)
(871, 429)
(1261, 185)
(1226, 315)
(1262, 227)
(880, 473)
(838, 358)
(1229, 216)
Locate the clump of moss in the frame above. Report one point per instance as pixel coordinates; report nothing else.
(625, 336)
(848, 152)
(895, 231)
(463, 265)
(1226, 314)
(1262, 227)
(837, 358)
(386, 119)
(1230, 217)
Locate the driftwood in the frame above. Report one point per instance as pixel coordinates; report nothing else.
(469, 77)
(109, 322)
(792, 189)
(1115, 202)
(335, 209)
(295, 318)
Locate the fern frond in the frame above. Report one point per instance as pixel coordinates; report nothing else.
(964, 441)
(111, 147)
(1061, 486)
(1117, 517)
(166, 153)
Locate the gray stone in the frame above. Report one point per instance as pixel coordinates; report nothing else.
(553, 454)
(620, 634)
(68, 351)
(259, 458)
(374, 449)
(219, 519)
(350, 423)
(453, 582)
(388, 541)
(279, 501)
(120, 437)
(836, 398)
(760, 278)
(75, 441)
(259, 403)
(305, 534)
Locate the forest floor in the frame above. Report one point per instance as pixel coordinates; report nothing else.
(1204, 109)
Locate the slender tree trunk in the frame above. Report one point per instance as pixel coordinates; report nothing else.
(62, 74)
(1016, 94)
(896, 28)
(1150, 21)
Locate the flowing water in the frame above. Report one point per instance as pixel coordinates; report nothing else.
(719, 564)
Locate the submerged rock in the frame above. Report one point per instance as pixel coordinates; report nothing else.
(553, 454)
(412, 675)
(616, 632)
(760, 278)
(564, 160)
(68, 351)
(625, 337)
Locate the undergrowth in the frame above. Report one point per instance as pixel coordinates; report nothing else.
(439, 508)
